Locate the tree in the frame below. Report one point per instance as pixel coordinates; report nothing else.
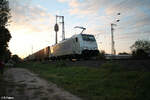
(7, 55)
(4, 32)
(141, 49)
(141, 44)
(101, 55)
(139, 53)
(4, 12)
(16, 58)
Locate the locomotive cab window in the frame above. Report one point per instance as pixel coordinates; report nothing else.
(88, 37)
(76, 39)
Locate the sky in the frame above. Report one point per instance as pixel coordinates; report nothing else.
(32, 22)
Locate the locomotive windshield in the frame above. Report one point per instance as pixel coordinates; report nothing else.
(87, 37)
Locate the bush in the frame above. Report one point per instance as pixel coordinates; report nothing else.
(140, 49)
(139, 54)
(101, 55)
(16, 58)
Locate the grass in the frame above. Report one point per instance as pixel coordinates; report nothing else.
(111, 81)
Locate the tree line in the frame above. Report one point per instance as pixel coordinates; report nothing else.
(139, 50)
(5, 35)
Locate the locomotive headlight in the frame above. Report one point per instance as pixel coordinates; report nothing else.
(95, 48)
(85, 48)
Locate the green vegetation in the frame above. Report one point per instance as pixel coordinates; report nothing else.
(111, 81)
(5, 35)
(101, 55)
(140, 49)
(16, 58)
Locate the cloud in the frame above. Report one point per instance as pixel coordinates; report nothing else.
(31, 25)
(77, 7)
(128, 6)
(63, 0)
(82, 8)
(29, 17)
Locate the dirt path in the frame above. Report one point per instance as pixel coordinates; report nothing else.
(24, 85)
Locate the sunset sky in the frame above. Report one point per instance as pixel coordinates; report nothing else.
(32, 22)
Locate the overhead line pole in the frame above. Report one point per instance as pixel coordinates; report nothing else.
(63, 29)
(113, 51)
(63, 26)
(56, 28)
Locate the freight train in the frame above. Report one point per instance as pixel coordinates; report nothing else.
(76, 47)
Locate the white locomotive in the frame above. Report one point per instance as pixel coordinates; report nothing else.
(79, 45)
